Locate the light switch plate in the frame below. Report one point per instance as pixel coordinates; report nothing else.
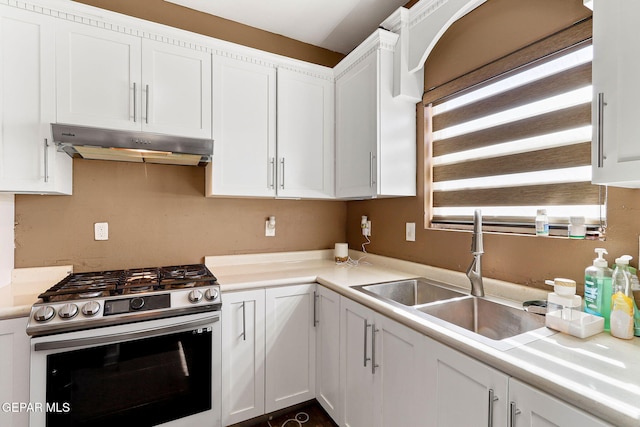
(410, 232)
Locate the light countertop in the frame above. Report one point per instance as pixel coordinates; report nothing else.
(26, 284)
(597, 374)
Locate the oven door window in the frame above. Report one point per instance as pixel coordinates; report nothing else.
(143, 382)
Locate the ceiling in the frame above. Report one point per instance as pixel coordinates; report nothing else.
(337, 25)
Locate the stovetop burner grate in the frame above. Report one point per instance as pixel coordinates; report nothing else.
(133, 281)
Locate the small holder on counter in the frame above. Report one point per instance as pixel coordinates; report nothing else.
(341, 252)
(574, 322)
(565, 311)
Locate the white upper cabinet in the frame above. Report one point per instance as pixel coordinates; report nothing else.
(29, 162)
(244, 129)
(120, 81)
(375, 131)
(305, 135)
(98, 77)
(616, 136)
(176, 96)
(273, 131)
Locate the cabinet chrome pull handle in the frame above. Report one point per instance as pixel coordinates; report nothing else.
(374, 365)
(135, 103)
(272, 173)
(316, 298)
(372, 159)
(513, 411)
(244, 322)
(367, 325)
(146, 109)
(492, 399)
(600, 104)
(46, 160)
(282, 173)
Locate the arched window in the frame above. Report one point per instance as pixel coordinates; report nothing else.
(514, 136)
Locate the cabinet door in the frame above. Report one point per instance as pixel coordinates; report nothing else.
(465, 392)
(98, 77)
(357, 130)
(14, 370)
(328, 351)
(400, 355)
(357, 381)
(29, 161)
(533, 408)
(305, 135)
(291, 346)
(176, 91)
(243, 351)
(615, 77)
(244, 129)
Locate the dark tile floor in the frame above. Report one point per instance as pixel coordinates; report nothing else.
(308, 414)
(311, 415)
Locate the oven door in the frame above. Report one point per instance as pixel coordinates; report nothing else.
(157, 372)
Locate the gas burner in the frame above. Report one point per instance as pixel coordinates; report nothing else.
(185, 276)
(193, 271)
(80, 286)
(84, 285)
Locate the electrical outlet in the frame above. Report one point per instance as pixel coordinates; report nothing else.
(270, 227)
(101, 231)
(410, 232)
(366, 230)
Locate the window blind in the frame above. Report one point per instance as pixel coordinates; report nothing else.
(515, 136)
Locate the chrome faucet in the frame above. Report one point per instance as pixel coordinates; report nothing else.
(474, 272)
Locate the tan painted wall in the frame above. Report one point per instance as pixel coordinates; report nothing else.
(146, 206)
(158, 215)
(489, 32)
(177, 16)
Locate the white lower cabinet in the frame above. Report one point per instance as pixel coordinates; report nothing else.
(243, 347)
(382, 370)
(268, 350)
(328, 351)
(463, 391)
(290, 346)
(532, 408)
(14, 370)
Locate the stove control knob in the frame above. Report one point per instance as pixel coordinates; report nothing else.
(44, 314)
(211, 294)
(195, 296)
(68, 311)
(136, 303)
(91, 308)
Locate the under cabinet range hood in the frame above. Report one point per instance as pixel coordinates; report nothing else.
(131, 146)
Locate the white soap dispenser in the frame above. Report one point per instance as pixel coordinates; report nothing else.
(564, 294)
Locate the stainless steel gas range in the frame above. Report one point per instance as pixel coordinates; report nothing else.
(140, 347)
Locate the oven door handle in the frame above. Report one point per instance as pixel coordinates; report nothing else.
(120, 337)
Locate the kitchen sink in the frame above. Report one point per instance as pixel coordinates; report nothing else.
(411, 292)
(498, 325)
(484, 317)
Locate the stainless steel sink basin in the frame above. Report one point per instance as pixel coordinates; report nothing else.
(411, 292)
(487, 318)
(498, 325)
